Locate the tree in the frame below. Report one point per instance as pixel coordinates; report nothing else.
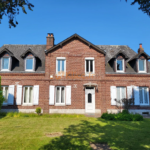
(144, 5)
(125, 103)
(11, 9)
(1, 95)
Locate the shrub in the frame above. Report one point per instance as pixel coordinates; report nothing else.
(125, 111)
(124, 116)
(38, 110)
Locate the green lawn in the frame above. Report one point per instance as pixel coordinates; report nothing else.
(29, 133)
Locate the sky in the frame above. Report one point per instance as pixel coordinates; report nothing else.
(102, 22)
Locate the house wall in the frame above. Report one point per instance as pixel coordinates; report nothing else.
(75, 52)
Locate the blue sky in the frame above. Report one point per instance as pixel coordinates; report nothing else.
(102, 22)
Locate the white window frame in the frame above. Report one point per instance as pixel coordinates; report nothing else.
(60, 104)
(2, 64)
(122, 71)
(90, 73)
(144, 95)
(8, 93)
(57, 73)
(32, 66)
(28, 104)
(144, 66)
(121, 91)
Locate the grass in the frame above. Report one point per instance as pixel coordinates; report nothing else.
(19, 132)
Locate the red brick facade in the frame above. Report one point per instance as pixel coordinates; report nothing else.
(75, 52)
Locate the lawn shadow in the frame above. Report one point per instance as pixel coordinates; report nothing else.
(118, 135)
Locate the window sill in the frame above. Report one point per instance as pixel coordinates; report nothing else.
(5, 70)
(120, 71)
(59, 104)
(27, 104)
(30, 70)
(90, 74)
(144, 105)
(142, 72)
(61, 75)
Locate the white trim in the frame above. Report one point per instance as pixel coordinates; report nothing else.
(123, 66)
(144, 66)
(27, 104)
(60, 104)
(90, 73)
(89, 58)
(32, 65)
(8, 64)
(57, 73)
(61, 58)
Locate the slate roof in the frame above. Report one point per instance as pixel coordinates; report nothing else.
(18, 50)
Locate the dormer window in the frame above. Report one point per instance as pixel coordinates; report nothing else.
(142, 65)
(5, 63)
(120, 65)
(29, 64)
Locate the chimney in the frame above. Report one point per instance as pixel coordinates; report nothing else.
(50, 41)
(141, 49)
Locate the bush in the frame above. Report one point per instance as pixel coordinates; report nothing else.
(38, 110)
(125, 111)
(124, 116)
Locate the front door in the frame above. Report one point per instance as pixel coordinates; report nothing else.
(90, 100)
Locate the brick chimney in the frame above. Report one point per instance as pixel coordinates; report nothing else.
(141, 49)
(50, 41)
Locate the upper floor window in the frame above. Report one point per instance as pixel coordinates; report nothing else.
(5, 94)
(143, 93)
(89, 66)
(29, 64)
(61, 66)
(5, 63)
(120, 65)
(142, 65)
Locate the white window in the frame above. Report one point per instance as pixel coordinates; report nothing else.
(143, 94)
(61, 66)
(28, 95)
(142, 65)
(89, 66)
(29, 64)
(121, 92)
(60, 95)
(120, 65)
(5, 63)
(5, 93)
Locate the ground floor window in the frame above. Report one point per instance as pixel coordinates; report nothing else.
(28, 95)
(143, 94)
(5, 93)
(121, 93)
(60, 95)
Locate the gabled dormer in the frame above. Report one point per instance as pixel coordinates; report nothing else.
(30, 59)
(140, 61)
(118, 62)
(6, 60)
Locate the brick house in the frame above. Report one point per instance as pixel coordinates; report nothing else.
(74, 76)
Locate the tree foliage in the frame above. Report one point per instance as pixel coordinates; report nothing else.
(11, 9)
(144, 5)
(1, 95)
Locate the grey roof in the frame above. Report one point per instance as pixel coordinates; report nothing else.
(18, 50)
(112, 50)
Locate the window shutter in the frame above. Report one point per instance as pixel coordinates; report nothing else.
(129, 92)
(19, 94)
(51, 94)
(113, 95)
(136, 95)
(36, 95)
(11, 95)
(68, 95)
